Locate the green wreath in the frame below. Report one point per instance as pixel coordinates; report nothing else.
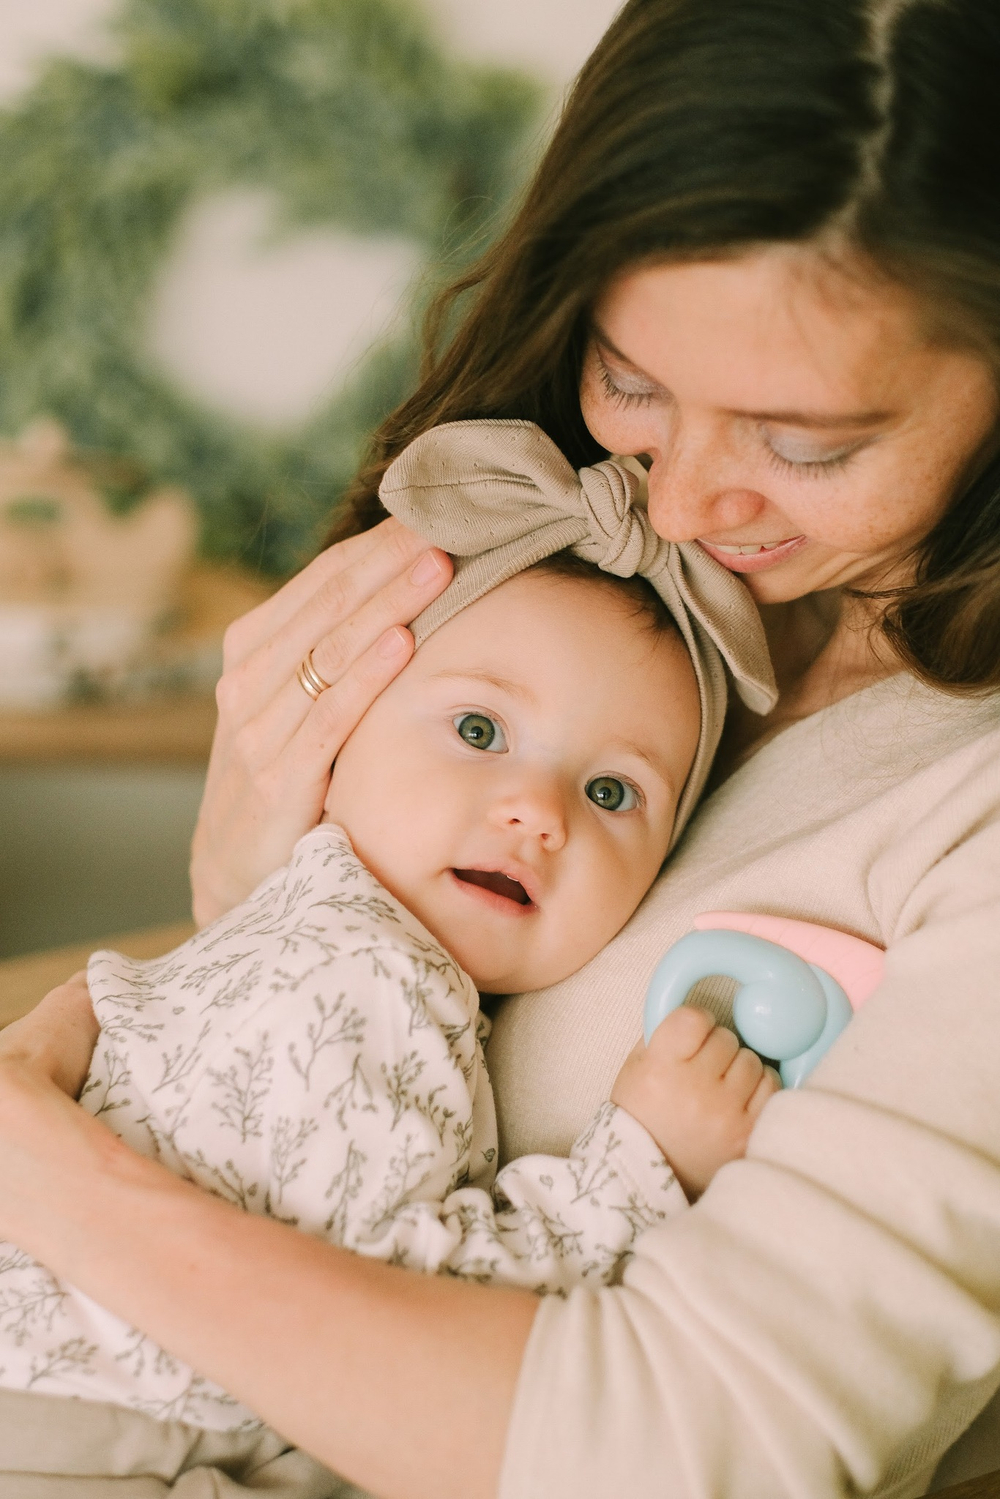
(347, 109)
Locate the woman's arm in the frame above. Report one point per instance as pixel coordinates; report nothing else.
(402, 1383)
(270, 764)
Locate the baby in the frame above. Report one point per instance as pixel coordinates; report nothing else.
(316, 1054)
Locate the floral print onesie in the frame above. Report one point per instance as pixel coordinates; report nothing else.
(314, 1055)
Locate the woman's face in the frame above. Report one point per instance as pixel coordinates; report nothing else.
(802, 426)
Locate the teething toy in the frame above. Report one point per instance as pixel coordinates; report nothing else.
(799, 983)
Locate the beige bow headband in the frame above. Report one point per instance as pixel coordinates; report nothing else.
(500, 496)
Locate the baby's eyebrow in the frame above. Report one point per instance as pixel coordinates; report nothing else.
(656, 763)
(488, 679)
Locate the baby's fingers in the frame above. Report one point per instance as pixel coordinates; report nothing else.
(681, 1035)
(743, 1075)
(769, 1084)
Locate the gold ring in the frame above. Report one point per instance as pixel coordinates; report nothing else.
(309, 678)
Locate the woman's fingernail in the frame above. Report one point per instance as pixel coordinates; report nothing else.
(392, 643)
(426, 568)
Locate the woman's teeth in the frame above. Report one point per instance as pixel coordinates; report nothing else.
(749, 549)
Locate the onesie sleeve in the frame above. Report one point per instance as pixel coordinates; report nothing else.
(553, 1222)
(827, 1317)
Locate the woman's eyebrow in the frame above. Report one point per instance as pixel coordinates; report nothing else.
(822, 419)
(817, 418)
(602, 338)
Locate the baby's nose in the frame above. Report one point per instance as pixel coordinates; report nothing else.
(537, 808)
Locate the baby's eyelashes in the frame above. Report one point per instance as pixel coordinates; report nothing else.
(480, 732)
(612, 794)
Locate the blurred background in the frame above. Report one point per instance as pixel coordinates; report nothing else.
(219, 220)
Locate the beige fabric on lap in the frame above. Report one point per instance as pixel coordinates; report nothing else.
(51, 1448)
(500, 496)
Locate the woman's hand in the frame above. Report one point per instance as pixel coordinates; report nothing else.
(274, 747)
(56, 1039)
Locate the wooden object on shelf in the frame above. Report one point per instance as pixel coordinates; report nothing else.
(23, 981)
(167, 728)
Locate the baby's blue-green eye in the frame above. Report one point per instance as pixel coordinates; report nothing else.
(481, 732)
(612, 794)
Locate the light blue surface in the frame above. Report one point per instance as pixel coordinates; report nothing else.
(785, 1009)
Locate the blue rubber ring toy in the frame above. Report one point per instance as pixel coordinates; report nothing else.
(787, 1010)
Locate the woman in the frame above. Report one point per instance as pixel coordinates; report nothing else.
(763, 252)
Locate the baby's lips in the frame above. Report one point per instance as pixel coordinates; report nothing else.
(511, 871)
(497, 882)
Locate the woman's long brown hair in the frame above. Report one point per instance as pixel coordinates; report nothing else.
(700, 128)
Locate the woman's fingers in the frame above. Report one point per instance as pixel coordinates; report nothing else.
(337, 623)
(398, 602)
(274, 744)
(369, 647)
(345, 575)
(337, 712)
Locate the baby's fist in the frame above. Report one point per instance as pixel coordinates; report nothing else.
(697, 1092)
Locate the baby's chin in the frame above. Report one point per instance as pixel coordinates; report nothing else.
(517, 978)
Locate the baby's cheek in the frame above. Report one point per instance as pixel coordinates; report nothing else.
(615, 881)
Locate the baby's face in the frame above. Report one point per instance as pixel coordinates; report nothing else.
(515, 786)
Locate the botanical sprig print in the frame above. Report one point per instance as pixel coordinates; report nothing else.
(315, 1056)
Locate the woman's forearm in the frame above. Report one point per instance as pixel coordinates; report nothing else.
(400, 1382)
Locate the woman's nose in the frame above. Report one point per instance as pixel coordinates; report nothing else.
(534, 808)
(696, 491)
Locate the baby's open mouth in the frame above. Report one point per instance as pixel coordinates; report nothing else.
(500, 884)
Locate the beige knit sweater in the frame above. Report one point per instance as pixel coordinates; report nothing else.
(826, 1320)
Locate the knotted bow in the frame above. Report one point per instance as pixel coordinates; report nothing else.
(500, 496)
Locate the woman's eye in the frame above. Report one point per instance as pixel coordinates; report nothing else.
(805, 457)
(481, 732)
(621, 393)
(611, 794)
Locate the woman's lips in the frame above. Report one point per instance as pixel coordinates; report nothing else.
(751, 556)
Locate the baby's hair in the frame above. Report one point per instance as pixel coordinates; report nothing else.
(647, 604)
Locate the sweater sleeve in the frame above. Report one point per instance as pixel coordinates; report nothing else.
(827, 1317)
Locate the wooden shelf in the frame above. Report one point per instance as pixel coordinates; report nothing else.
(168, 730)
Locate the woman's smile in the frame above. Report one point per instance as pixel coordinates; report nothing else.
(752, 556)
(794, 416)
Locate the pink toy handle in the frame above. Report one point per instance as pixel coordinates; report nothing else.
(856, 965)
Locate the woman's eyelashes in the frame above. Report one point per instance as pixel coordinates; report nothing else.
(800, 460)
(802, 463)
(619, 391)
(480, 732)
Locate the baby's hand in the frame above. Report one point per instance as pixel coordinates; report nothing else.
(697, 1091)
